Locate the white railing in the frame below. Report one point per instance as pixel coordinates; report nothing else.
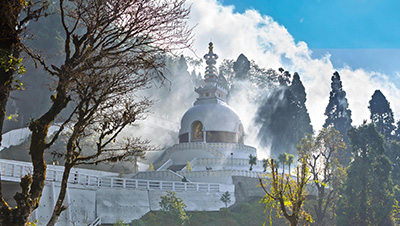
(220, 173)
(195, 145)
(158, 175)
(192, 164)
(227, 161)
(165, 165)
(217, 149)
(96, 222)
(14, 170)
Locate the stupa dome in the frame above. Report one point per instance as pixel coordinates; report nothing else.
(211, 119)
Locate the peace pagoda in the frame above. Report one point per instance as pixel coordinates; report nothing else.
(211, 137)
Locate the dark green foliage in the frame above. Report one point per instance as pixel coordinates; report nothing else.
(243, 74)
(175, 208)
(339, 115)
(265, 164)
(397, 131)
(137, 222)
(393, 153)
(119, 223)
(226, 198)
(246, 214)
(302, 121)
(283, 159)
(381, 114)
(241, 66)
(284, 116)
(321, 153)
(367, 197)
(252, 161)
(337, 112)
(290, 161)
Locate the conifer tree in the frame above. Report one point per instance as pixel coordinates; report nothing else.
(367, 198)
(338, 112)
(284, 116)
(381, 114)
(241, 66)
(302, 121)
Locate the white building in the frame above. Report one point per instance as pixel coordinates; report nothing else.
(211, 138)
(211, 135)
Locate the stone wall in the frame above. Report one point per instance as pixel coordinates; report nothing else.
(85, 204)
(246, 188)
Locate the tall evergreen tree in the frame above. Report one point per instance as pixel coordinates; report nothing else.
(284, 116)
(367, 198)
(241, 66)
(381, 114)
(302, 121)
(338, 112)
(339, 115)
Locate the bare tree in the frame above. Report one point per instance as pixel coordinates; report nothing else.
(321, 154)
(112, 49)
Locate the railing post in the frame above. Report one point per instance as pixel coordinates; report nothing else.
(185, 186)
(161, 185)
(197, 187)
(148, 185)
(124, 183)
(12, 170)
(112, 181)
(173, 186)
(208, 187)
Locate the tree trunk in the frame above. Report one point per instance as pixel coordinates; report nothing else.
(9, 40)
(59, 207)
(9, 45)
(319, 212)
(293, 221)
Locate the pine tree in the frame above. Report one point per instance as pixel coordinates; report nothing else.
(284, 116)
(381, 114)
(367, 198)
(339, 115)
(338, 112)
(302, 121)
(241, 66)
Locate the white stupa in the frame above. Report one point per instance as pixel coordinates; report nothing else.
(211, 136)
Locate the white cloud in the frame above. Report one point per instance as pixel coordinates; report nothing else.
(262, 39)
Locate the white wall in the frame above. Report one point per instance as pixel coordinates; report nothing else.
(127, 205)
(79, 200)
(121, 204)
(112, 204)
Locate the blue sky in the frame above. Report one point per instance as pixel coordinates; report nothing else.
(331, 24)
(362, 38)
(357, 33)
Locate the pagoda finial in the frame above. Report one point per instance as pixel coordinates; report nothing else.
(212, 90)
(211, 59)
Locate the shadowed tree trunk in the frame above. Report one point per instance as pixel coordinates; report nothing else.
(11, 26)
